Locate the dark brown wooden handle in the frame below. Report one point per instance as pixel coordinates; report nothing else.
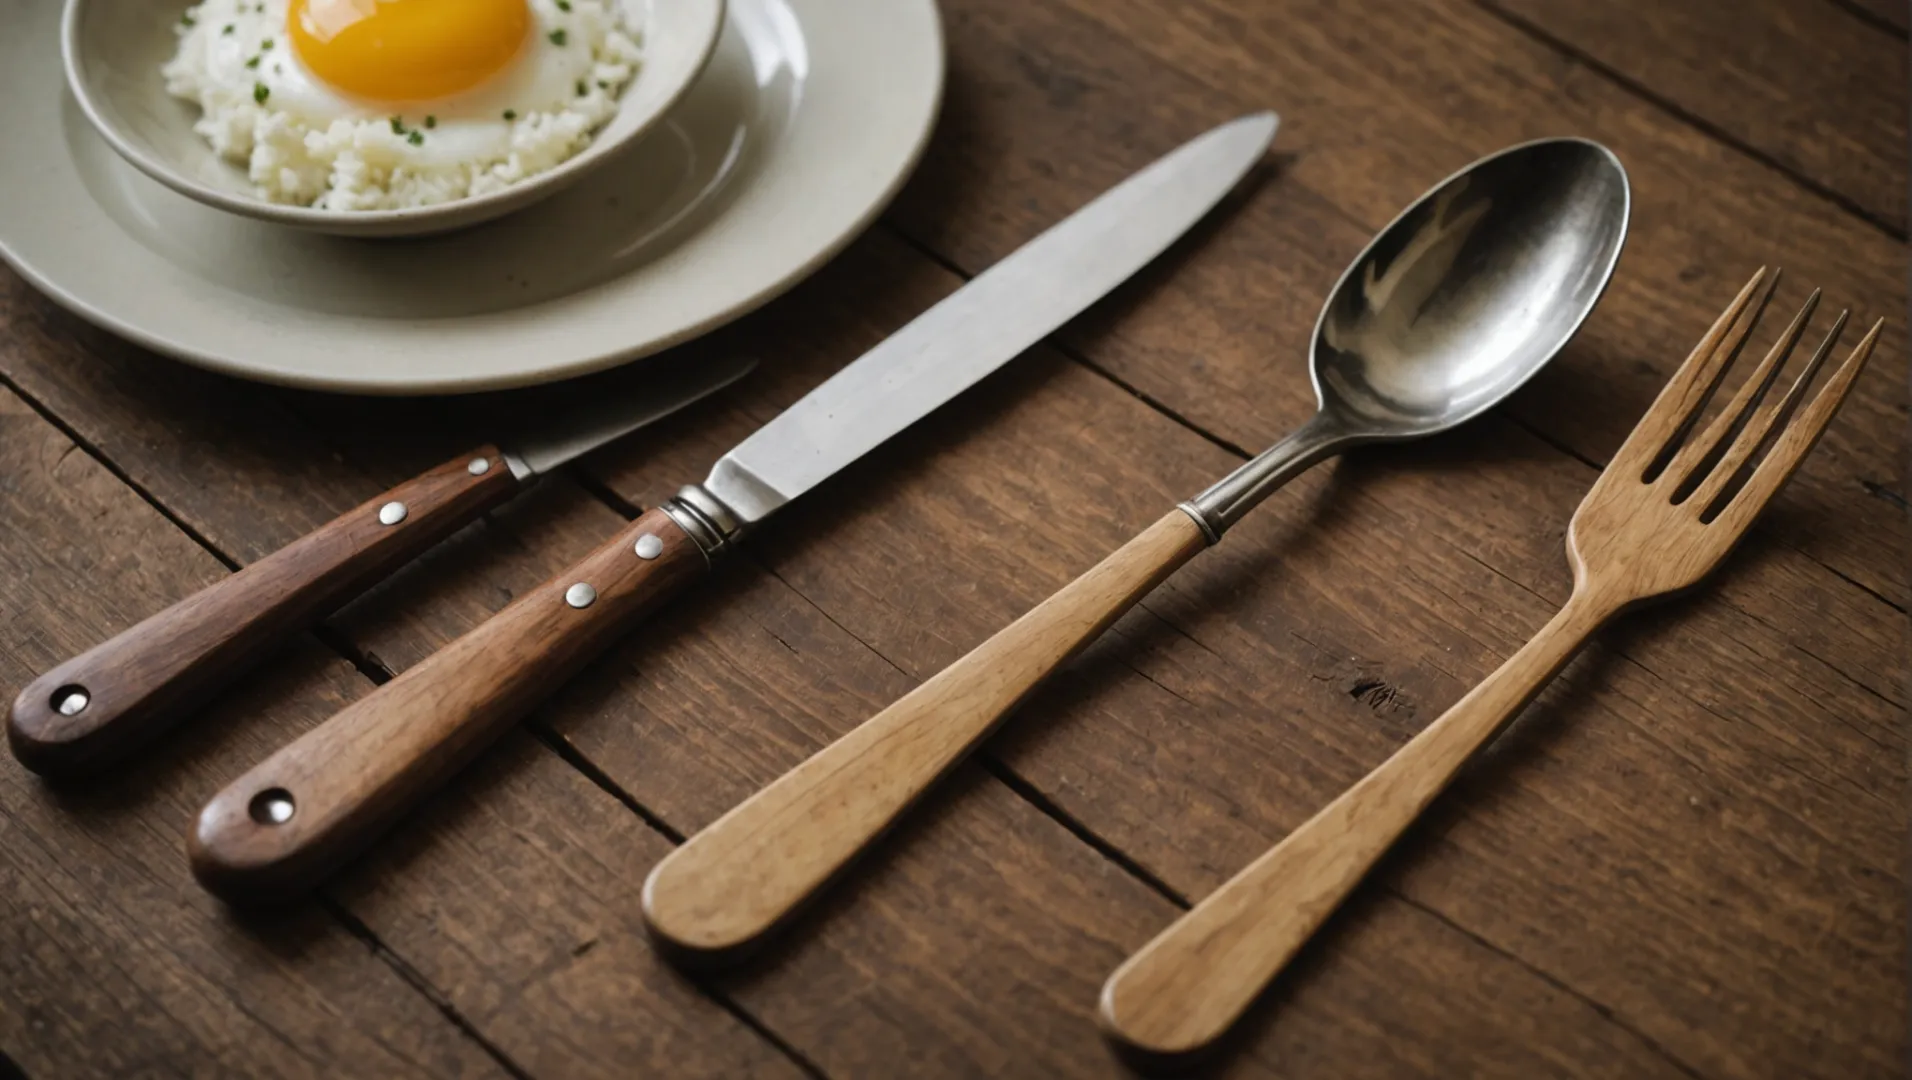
(715, 897)
(282, 827)
(102, 704)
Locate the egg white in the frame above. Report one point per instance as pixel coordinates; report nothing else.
(236, 61)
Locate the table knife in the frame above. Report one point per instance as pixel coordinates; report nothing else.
(280, 828)
(99, 706)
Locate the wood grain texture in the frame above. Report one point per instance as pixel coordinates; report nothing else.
(147, 678)
(347, 781)
(1378, 102)
(1685, 861)
(1889, 14)
(750, 870)
(462, 909)
(1631, 541)
(946, 917)
(1182, 991)
(115, 964)
(1810, 84)
(1286, 668)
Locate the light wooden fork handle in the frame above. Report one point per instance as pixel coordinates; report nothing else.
(1184, 989)
(746, 873)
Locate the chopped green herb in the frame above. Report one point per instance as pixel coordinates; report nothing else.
(431, 121)
(416, 138)
(260, 92)
(564, 5)
(398, 126)
(558, 36)
(227, 29)
(511, 114)
(253, 63)
(188, 20)
(265, 45)
(582, 89)
(602, 85)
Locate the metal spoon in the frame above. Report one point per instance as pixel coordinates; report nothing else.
(1451, 308)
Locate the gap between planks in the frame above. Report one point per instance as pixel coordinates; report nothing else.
(1074, 356)
(377, 674)
(553, 742)
(1027, 791)
(1693, 120)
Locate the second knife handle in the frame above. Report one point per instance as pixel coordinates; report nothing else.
(279, 829)
(719, 893)
(109, 700)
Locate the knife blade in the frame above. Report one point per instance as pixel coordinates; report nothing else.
(103, 704)
(279, 829)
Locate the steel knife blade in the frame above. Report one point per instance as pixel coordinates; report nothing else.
(656, 392)
(279, 829)
(988, 322)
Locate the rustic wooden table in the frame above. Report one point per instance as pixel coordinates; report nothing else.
(1687, 859)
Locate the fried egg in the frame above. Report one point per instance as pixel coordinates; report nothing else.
(373, 104)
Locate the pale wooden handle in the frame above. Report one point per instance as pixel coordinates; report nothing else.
(1184, 989)
(752, 868)
(280, 828)
(108, 701)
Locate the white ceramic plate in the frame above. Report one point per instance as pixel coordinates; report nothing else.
(798, 133)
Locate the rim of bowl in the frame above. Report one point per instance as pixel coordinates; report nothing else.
(503, 200)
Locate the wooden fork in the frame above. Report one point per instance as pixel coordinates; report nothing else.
(1660, 518)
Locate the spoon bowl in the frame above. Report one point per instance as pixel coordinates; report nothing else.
(1454, 306)
(1471, 290)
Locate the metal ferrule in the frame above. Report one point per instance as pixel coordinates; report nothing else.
(705, 518)
(1229, 500)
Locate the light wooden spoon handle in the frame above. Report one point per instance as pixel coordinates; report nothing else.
(1184, 989)
(747, 872)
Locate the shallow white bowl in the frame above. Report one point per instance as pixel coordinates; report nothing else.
(113, 51)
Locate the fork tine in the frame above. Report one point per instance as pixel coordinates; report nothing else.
(1672, 412)
(1754, 434)
(1685, 467)
(1797, 440)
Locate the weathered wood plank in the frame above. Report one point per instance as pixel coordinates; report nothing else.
(1729, 704)
(729, 688)
(1560, 915)
(1018, 499)
(1049, 102)
(691, 745)
(1890, 14)
(1808, 84)
(160, 418)
(114, 963)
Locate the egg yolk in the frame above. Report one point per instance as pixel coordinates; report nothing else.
(406, 50)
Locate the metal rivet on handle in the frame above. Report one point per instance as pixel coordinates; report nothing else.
(479, 466)
(580, 595)
(273, 806)
(649, 546)
(391, 513)
(71, 700)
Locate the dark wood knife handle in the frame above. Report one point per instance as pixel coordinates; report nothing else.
(282, 827)
(109, 700)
